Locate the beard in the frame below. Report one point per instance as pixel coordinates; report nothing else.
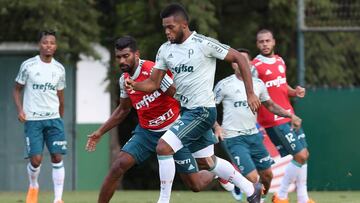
(178, 38)
(125, 68)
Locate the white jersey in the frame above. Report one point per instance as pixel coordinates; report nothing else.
(42, 81)
(193, 65)
(238, 119)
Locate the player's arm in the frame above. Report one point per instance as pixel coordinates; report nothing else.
(218, 131)
(234, 56)
(297, 92)
(116, 118)
(18, 101)
(60, 94)
(149, 85)
(278, 110)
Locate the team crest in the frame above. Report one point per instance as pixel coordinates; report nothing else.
(281, 69)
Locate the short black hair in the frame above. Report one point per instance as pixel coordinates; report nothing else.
(243, 50)
(262, 31)
(126, 42)
(174, 9)
(46, 33)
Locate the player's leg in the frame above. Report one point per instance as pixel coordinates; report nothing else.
(189, 172)
(54, 136)
(34, 147)
(301, 179)
(240, 150)
(192, 124)
(140, 146)
(287, 142)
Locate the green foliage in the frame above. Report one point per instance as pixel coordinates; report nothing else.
(75, 22)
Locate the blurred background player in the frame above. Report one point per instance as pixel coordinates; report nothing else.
(157, 111)
(192, 60)
(271, 69)
(43, 81)
(241, 136)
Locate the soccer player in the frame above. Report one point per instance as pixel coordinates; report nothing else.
(157, 111)
(271, 69)
(42, 110)
(191, 58)
(241, 136)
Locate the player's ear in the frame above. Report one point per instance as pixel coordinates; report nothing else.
(137, 54)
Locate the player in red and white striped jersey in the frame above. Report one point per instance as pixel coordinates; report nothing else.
(271, 69)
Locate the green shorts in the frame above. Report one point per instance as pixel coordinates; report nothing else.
(248, 152)
(143, 144)
(287, 141)
(194, 128)
(40, 132)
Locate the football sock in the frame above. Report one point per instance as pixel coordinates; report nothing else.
(167, 174)
(33, 174)
(301, 185)
(58, 175)
(226, 171)
(291, 172)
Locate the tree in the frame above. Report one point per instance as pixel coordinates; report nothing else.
(74, 21)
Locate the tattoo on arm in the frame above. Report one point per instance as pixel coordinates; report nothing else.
(276, 109)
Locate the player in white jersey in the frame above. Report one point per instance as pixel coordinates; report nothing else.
(43, 81)
(192, 60)
(241, 136)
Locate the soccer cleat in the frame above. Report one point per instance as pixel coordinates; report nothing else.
(32, 195)
(236, 193)
(256, 197)
(310, 201)
(226, 184)
(276, 199)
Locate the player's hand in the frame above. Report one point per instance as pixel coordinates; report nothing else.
(129, 84)
(295, 122)
(254, 102)
(219, 132)
(21, 116)
(300, 91)
(93, 139)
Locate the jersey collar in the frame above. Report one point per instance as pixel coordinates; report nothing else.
(265, 59)
(138, 69)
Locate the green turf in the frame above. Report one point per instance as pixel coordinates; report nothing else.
(177, 197)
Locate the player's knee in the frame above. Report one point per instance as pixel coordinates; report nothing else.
(56, 158)
(163, 148)
(117, 169)
(205, 163)
(266, 177)
(302, 156)
(35, 161)
(195, 188)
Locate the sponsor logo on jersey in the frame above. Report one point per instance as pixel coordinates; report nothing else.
(147, 99)
(241, 104)
(44, 87)
(145, 73)
(161, 119)
(183, 68)
(276, 83)
(268, 72)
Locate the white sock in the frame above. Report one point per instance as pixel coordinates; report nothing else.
(301, 185)
(58, 175)
(167, 174)
(291, 172)
(226, 171)
(33, 174)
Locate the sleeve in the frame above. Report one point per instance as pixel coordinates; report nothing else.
(123, 93)
(166, 82)
(160, 62)
(23, 75)
(264, 94)
(219, 92)
(254, 72)
(213, 48)
(62, 81)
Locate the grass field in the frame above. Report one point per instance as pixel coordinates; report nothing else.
(177, 197)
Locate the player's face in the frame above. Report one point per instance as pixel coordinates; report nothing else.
(265, 43)
(47, 45)
(127, 59)
(174, 29)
